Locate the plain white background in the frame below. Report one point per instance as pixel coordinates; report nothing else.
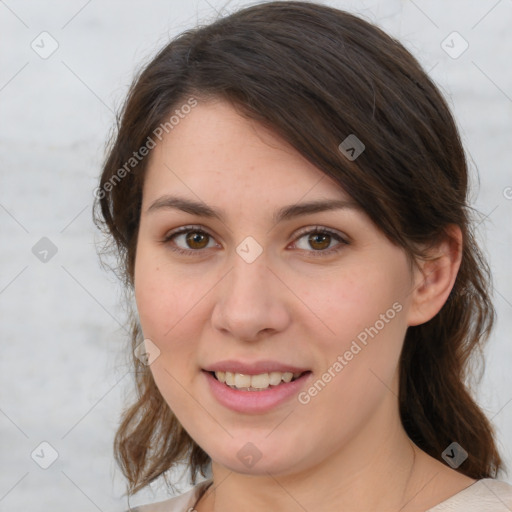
(63, 365)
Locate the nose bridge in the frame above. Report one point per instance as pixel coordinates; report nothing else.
(248, 301)
(250, 274)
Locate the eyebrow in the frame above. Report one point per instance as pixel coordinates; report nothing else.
(288, 212)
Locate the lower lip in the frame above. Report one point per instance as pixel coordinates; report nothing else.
(254, 401)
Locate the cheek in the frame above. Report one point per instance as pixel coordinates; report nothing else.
(363, 326)
(168, 316)
(171, 306)
(359, 358)
(165, 298)
(350, 303)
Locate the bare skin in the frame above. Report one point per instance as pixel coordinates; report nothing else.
(430, 483)
(345, 449)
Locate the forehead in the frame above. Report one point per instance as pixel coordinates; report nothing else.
(215, 153)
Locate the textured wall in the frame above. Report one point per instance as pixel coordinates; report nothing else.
(62, 367)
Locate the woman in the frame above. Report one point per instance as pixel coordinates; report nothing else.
(287, 192)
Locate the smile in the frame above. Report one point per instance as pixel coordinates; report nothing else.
(244, 395)
(258, 382)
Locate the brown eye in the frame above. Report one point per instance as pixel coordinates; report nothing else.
(189, 240)
(197, 239)
(319, 241)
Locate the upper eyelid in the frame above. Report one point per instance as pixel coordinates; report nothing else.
(186, 229)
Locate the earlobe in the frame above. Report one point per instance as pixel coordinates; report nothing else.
(435, 277)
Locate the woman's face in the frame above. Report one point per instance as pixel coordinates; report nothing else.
(255, 282)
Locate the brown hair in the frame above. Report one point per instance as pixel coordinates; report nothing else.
(315, 75)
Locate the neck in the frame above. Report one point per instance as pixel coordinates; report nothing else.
(379, 469)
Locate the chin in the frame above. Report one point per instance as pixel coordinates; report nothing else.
(250, 460)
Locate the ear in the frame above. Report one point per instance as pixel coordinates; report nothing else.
(435, 276)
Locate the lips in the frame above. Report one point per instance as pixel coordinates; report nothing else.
(255, 401)
(254, 368)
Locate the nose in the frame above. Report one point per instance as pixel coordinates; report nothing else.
(251, 301)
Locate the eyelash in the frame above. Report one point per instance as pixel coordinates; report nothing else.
(316, 230)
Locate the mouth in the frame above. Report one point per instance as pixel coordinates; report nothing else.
(259, 382)
(256, 391)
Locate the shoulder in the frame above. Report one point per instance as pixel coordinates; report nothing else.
(182, 503)
(487, 495)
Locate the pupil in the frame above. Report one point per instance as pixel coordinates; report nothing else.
(196, 238)
(321, 239)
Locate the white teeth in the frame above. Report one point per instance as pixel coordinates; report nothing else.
(275, 378)
(255, 382)
(242, 381)
(287, 377)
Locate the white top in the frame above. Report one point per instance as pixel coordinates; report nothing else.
(486, 495)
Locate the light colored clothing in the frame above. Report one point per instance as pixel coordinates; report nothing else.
(486, 495)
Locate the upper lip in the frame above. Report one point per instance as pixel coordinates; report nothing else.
(254, 368)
